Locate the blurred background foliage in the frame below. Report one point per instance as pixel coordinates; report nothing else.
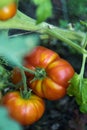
(63, 114)
(7, 123)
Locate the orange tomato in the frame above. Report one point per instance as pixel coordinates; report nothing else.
(16, 76)
(25, 111)
(8, 11)
(58, 73)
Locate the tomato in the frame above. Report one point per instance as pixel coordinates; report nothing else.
(58, 73)
(25, 111)
(8, 11)
(16, 76)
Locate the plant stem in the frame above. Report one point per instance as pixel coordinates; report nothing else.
(82, 72)
(24, 80)
(28, 70)
(84, 41)
(26, 93)
(21, 21)
(83, 65)
(52, 32)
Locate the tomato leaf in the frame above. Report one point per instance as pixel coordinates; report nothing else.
(75, 89)
(83, 107)
(84, 91)
(44, 10)
(13, 49)
(78, 89)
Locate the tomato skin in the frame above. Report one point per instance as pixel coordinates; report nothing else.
(41, 57)
(58, 71)
(8, 11)
(25, 111)
(48, 89)
(16, 76)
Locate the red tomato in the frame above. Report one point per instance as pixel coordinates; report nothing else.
(8, 11)
(25, 111)
(58, 73)
(16, 76)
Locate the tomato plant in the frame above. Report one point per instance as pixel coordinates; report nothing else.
(25, 111)
(49, 75)
(52, 73)
(8, 11)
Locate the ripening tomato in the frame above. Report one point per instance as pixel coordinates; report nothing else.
(16, 76)
(25, 111)
(8, 11)
(57, 73)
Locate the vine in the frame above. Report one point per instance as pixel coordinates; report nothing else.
(23, 22)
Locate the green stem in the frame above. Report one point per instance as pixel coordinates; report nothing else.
(28, 70)
(83, 65)
(52, 32)
(26, 93)
(82, 72)
(85, 41)
(21, 21)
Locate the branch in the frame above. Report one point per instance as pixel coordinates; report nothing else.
(23, 22)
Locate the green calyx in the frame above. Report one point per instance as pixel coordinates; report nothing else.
(40, 73)
(26, 94)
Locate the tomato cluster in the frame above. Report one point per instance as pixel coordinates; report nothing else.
(50, 81)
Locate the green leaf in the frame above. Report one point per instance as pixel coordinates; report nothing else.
(83, 105)
(84, 91)
(4, 77)
(75, 88)
(78, 89)
(44, 10)
(83, 108)
(13, 49)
